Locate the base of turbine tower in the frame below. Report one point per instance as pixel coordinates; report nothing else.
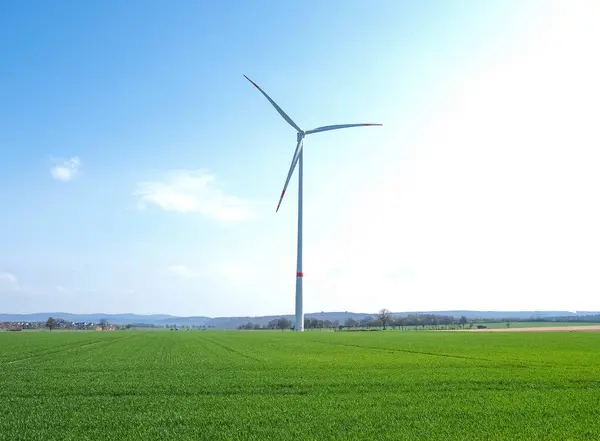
(299, 312)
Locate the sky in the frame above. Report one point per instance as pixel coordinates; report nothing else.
(140, 171)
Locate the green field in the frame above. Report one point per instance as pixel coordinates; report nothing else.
(283, 386)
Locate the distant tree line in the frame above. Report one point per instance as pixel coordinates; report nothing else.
(314, 323)
(592, 318)
(280, 323)
(384, 318)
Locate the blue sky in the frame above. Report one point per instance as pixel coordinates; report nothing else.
(141, 171)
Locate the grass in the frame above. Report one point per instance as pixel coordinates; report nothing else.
(281, 385)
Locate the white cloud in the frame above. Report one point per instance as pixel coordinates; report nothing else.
(182, 272)
(67, 169)
(193, 192)
(8, 282)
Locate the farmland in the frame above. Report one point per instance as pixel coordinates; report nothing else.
(317, 385)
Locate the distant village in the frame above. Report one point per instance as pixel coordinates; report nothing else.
(66, 325)
(58, 324)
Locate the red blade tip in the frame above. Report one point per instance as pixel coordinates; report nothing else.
(255, 85)
(280, 199)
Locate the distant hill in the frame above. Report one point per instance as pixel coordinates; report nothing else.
(234, 322)
(172, 320)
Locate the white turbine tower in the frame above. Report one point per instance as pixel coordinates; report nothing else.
(297, 159)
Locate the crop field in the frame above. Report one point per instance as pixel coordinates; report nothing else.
(261, 385)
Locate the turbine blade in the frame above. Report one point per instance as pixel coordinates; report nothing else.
(338, 126)
(281, 112)
(292, 167)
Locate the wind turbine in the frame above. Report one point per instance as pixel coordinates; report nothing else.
(297, 159)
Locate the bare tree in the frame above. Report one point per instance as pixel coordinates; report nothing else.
(383, 316)
(103, 324)
(283, 323)
(51, 323)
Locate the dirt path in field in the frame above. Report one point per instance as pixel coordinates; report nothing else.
(594, 328)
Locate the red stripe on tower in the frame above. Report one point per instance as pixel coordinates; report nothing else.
(299, 274)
